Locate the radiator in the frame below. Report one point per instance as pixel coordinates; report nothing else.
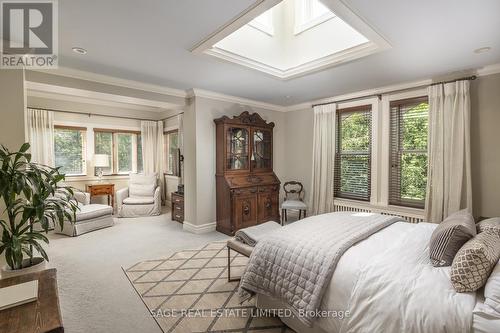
(354, 207)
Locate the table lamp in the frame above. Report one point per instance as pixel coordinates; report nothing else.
(101, 161)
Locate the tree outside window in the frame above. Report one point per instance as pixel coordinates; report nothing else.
(70, 150)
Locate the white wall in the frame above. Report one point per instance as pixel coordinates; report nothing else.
(12, 115)
(200, 189)
(12, 108)
(298, 147)
(485, 139)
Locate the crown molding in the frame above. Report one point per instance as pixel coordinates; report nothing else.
(62, 71)
(233, 99)
(488, 70)
(111, 80)
(357, 94)
(65, 93)
(92, 101)
(484, 71)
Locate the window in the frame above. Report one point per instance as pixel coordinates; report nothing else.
(310, 13)
(70, 150)
(353, 153)
(172, 155)
(408, 175)
(123, 148)
(264, 22)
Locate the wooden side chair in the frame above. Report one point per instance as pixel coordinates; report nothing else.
(294, 200)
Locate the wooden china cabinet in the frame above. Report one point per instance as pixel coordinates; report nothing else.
(247, 188)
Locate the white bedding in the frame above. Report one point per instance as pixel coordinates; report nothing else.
(388, 284)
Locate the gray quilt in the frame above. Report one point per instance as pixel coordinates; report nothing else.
(252, 235)
(295, 263)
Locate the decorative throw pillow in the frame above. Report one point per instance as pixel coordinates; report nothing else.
(474, 261)
(449, 236)
(492, 224)
(492, 289)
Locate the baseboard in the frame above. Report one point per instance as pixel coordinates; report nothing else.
(199, 229)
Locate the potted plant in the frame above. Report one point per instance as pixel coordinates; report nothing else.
(31, 198)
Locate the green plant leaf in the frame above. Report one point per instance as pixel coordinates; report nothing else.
(24, 148)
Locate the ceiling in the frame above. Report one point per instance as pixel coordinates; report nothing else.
(149, 41)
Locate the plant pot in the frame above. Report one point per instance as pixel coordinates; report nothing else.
(38, 265)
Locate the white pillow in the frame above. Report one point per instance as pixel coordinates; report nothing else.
(142, 185)
(492, 289)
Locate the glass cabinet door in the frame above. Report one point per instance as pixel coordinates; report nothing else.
(237, 148)
(262, 149)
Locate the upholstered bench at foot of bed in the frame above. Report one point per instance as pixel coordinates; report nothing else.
(239, 247)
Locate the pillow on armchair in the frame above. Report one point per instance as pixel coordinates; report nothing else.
(142, 185)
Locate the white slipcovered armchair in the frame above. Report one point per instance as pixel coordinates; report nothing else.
(141, 198)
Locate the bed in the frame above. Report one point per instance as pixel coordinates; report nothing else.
(383, 283)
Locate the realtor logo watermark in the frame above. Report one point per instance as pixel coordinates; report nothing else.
(29, 35)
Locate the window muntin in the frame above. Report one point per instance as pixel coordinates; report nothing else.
(310, 13)
(172, 152)
(353, 154)
(264, 22)
(409, 136)
(70, 150)
(123, 148)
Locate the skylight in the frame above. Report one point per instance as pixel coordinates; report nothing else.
(309, 13)
(295, 37)
(264, 22)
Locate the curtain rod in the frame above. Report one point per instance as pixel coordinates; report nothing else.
(102, 115)
(467, 78)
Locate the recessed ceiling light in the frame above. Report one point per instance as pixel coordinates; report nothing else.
(482, 50)
(287, 96)
(79, 50)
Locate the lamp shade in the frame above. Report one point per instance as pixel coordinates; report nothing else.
(101, 160)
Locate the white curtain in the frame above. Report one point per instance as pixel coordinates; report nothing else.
(323, 159)
(153, 150)
(180, 141)
(449, 171)
(40, 130)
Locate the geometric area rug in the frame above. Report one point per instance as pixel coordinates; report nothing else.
(189, 292)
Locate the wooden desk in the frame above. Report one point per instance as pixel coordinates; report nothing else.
(41, 316)
(103, 189)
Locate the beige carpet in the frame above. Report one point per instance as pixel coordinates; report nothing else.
(189, 292)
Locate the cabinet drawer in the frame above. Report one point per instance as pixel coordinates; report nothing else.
(178, 209)
(245, 191)
(178, 217)
(177, 200)
(101, 190)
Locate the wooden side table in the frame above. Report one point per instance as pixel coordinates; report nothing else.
(41, 316)
(103, 189)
